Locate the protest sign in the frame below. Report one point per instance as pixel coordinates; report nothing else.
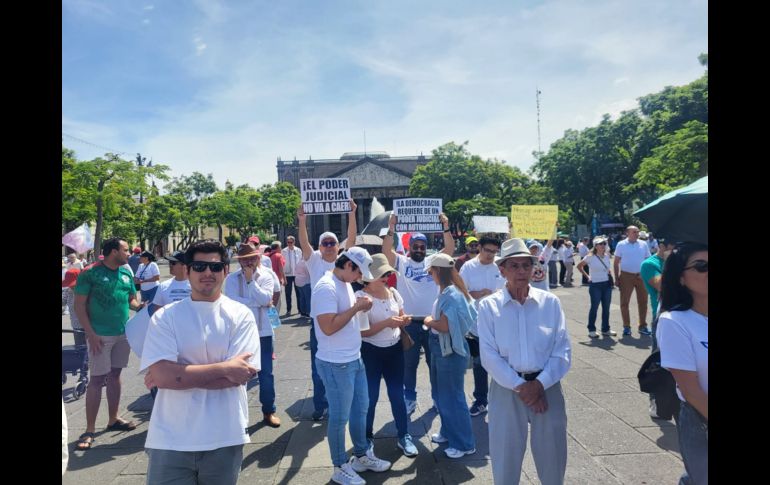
(534, 221)
(496, 224)
(418, 215)
(325, 196)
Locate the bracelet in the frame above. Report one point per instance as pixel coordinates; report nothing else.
(446, 230)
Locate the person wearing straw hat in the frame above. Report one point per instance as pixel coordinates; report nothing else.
(382, 350)
(333, 307)
(253, 285)
(525, 347)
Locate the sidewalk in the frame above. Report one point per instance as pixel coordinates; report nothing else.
(611, 438)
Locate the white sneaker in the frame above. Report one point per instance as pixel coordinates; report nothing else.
(368, 462)
(611, 333)
(437, 438)
(410, 406)
(455, 453)
(345, 475)
(593, 334)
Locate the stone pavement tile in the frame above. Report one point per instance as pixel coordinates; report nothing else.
(666, 437)
(76, 414)
(634, 349)
(303, 476)
(480, 427)
(586, 348)
(630, 382)
(615, 366)
(260, 462)
(129, 480)
(601, 433)
(385, 427)
(581, 466)
(591, 381)
(96, 466)
(631, 407)
(465, 470)
(578, 363)
(262, 433)
(307, 447)
(573, 399)
(138, 466)
(644, 468)
(421, 469)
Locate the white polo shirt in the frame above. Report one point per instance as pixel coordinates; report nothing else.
(632, 254)
(683, 338)
(332, 295)
(525, 338)
(477, 277)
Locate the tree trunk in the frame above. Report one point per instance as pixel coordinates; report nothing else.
(220, 233)
(99, 220)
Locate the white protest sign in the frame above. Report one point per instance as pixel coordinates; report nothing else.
(325, 196)
(418, 215)
(498, 224)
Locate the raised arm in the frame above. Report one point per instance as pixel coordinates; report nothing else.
(352, 225)
(304, 243)
(449, 241)
(388, 241)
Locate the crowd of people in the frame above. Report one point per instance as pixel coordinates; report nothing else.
(212, 331)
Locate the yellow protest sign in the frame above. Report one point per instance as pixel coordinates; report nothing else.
(534, 221)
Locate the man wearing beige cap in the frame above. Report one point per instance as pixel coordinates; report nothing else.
(525, 347)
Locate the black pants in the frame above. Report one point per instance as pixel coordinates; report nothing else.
(289, 285)
(585, 280)
(562, 272)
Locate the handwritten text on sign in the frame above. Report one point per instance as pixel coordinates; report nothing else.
(418, 215)
(534, 221)
(325, 196)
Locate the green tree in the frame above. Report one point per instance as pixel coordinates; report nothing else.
(193, 189)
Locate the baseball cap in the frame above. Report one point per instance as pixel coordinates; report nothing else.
(176, 256)
(442, 260)
(361, 257)
(470, 239)
(418, 236)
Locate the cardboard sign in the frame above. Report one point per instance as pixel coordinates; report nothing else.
(418, 215)
(325, 196)
(534, 221)
(497, 224)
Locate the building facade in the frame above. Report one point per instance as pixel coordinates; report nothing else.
(374, 174)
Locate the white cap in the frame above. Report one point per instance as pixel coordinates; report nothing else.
(361, 257)
(327, 235)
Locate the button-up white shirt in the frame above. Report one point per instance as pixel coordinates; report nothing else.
(257, 295)
(525, 338)
(292, 257)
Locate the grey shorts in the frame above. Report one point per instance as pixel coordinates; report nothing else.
(212, 467)
(113, 355)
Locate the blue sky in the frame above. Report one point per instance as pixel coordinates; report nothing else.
(227, 87)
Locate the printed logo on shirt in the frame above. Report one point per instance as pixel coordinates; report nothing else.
(125, 279)
(418, 275)
(705, 344)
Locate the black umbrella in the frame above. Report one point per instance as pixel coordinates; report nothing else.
(378, 223)
(681, 215)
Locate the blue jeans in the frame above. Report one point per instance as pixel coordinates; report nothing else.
(319, 391)
(387, 363)
(448, 375)
(599, 293)
(412, 359)
(266, 379)
(348, 402)
(303, 299)
(694, 446)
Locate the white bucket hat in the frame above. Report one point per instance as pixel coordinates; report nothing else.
(515, 248)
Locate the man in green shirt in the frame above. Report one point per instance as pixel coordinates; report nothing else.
(103, 296)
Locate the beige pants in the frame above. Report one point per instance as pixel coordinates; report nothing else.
(628, 283)
(113, 355)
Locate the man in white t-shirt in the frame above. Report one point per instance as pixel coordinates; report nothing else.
(338, 360)
(253, 285)
(200, 352)
(419, 292)
(291, 255)
(482, 278)
(176, 288)
(568, 260)
(629, 255)
(318, 263)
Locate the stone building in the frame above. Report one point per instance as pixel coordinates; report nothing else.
(371, 174)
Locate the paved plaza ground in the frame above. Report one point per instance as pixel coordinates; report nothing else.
(611, 437)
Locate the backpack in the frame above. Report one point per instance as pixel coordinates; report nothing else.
(655, 379)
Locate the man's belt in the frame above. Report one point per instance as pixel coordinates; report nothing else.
(529, 377)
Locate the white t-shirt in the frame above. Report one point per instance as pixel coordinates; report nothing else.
(147, 272)
(477, 277)
(382, 310)
(683, 338)
(316, 266)
(301, 274)
(197, 333)
(632, 254)
(582, 250)
(266, 262)
(172, 290)
(331, 295)
(596, 270)
(416, 286)
(567, 255)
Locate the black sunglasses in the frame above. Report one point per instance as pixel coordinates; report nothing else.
(329, 244)
(699, 265)
(200, 266)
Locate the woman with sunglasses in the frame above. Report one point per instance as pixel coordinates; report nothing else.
(599, 286)
(453, 315)
(382, 351)
(683, 340)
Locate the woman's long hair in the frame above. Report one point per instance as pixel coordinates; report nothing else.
(450, 276)
(673, 294)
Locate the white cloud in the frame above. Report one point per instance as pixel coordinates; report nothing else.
(149, 7)
(199, 46)
(146, 21)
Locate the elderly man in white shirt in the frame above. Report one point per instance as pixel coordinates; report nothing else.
(292, 255)
(629, 255)
(525, 347)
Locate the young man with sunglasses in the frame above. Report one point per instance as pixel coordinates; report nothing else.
(482, 278)
(200, 352)
(525, 347)
(419, 292)
(318, 263)
(339, 364)
(254, 285)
